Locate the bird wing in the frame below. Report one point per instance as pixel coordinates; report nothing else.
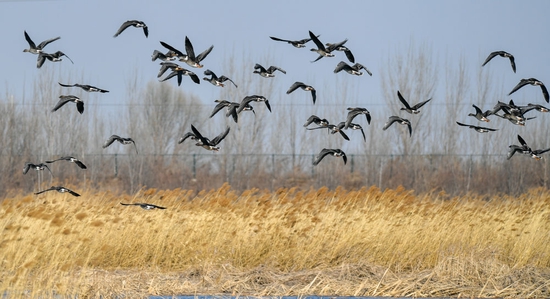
(344, 135)
(146, 31)
(268, 105)
(314, 95)
(27, 167)
(523, 143)
(294, 86)
(72, 192)
(402, 99)
(205, 53)
(220, 137)
(199, 135)
(46, 190)
(350, 57)
(167, 46)
(540, 151)
(419, 105)
(351, 115)
(545, 93)
(219, 106)
(521, 83)
(259, 66)
(390, 122)
(80, 107)
(491, 56)
(187, 135)
(224, 78)
(46, 42)
(273, 68)
(359, 66)
(194, 77)
(60, 103)
(189, 49)
(461, 124)
(111, 140)
(123, 27)
(341, 66)
(29, 40)
(80, 164)
(512, 62)
(321, 155)
(41, 59)
(317, 42)
(280, 40)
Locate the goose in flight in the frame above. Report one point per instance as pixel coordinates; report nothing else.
(215, 80)
(177, 71)
(522, 149)
(206, 143)
(59, 189)
(88, 88)
(317, 120)
(122, 140)
(296, 43)
(534, 82)
(414, 109)
(145, 206)
(357, 127)
(530, 107)
(33, 48)
(135, 23)
(333, 152)
(399, 120)
(69, 98)
(305, 87)
(70, 159)
(477, 128)
(54, 57)
(168, 56)
(501, 54)
(267, 73)
(36, 167)
(353, 112)
(321, 49)
(353, 69)
(193, 60)
(254, 98)
(231, 108)
(480, 115)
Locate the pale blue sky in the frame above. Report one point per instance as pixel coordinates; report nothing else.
(238, 29)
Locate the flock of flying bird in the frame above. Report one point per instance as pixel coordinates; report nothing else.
(510, 111)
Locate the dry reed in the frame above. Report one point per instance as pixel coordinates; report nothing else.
(287, 242)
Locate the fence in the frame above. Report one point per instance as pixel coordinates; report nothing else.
(453, 174)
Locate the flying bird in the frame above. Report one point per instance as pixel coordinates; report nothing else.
(305, 87)
(177, 71)
(168, 56)
(317, 120)
(321, 49)
(231, 108)
(353, 69)
(296, 43)
(122, 140)
(193, 60)
(70, 159)
(135, 23)
(59, 189)
(88, 88)
(414, 109)
(522, 149)
(534, 82)
(399, 120)
(353, 112)
(54, 57)
(33, 48)
(501, 54)
(145, 206)
(357, 127)
(215, 80)
(477, 128)
(36, 167)
(480, 115)
(267, 73)
(69, 98)
(211, 145)
(333, 152)
(254, 98)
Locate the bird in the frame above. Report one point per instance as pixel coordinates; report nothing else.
(357, 127)
(36, 167)
(64, 99)
(533, 82)
(231, 108)
(206, 143)
(88, 88)
(135, 23)
(145, 206)
(523, 148)
(414, 109)
(399, 120)
(70, 159)
(501, 54)
(33, 48)
(317, 120)
(353, 69)
(321, 49)
(177, 71)
(122, 140)
(267, 73)
(168, 56)
(193, 60)
(305, 87)
(54, 57)
(215, 80)
(59, 189)
(477, 128)
(480, 115)
(353, 112)
(296, 43)
(536, 153)
(530, 107)
(333, 152)
(340, 47)
(253, 98)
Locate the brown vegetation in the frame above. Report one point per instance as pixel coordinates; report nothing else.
(286, 242)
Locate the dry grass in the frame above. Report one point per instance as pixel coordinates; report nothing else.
(288, 242)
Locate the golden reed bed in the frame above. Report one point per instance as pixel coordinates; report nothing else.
(359, 243)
